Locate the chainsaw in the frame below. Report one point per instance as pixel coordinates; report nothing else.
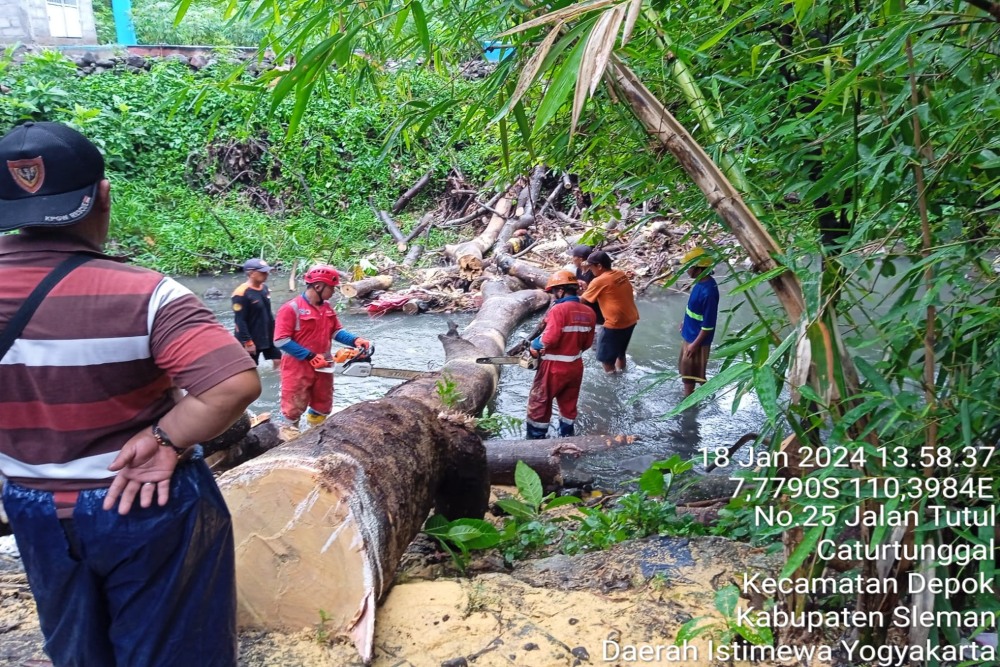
(524, 361)
(354, 363)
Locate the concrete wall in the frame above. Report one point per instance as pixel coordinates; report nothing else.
(27, 22)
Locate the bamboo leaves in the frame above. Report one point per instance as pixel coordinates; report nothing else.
(634, 8)
(588, 61)
(307, 71)
(595, 59)
(531, 68)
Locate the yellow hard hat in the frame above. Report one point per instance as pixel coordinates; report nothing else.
(699, 254)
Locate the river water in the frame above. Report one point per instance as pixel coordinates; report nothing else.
(624, 403)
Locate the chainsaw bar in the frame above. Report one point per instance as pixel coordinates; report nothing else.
(499, 361)
(400, 373)
(363, 370)
(524, 362)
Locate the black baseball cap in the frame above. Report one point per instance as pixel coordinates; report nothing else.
(582, 251)
(256, 265)
(599, 258)
(48, 176)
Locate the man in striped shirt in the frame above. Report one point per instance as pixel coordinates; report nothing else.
(124, 534)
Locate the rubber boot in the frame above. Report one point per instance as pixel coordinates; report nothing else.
(536, 432)
(566, 429)
(314, 419)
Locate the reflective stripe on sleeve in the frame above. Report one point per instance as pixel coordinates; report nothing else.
(694, 316)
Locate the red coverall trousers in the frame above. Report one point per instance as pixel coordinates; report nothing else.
(559, 381)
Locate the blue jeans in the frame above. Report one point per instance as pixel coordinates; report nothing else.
(153, 588)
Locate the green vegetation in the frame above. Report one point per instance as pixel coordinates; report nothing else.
(532, 527)
(205, 24)
(202, 178)
(447, 391)
(494, 424)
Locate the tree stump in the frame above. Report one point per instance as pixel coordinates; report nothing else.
(469, 254)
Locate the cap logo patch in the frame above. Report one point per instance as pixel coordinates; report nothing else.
(28, 174)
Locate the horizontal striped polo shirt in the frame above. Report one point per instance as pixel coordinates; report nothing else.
(103, 357)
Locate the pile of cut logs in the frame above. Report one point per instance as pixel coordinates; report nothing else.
(525, 230)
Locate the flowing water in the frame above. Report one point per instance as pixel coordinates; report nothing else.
(609, 404)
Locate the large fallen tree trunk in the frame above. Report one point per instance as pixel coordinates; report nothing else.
(475, 384)
(321, 522)
(545, 456)
(469, 254)
(365, 286)
(528, 273)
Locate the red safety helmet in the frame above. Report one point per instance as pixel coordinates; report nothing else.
(322, 273)
(562, 278)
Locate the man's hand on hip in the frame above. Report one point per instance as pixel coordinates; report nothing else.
(144, 470)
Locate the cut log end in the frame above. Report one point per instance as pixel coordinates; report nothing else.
(301, 553)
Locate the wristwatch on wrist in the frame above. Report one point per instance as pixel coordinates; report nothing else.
(163, 440)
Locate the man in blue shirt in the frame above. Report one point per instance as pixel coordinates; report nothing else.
(698, 328)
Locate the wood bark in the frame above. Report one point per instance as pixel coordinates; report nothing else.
(257, 440)
(528, 273)
(416, 306)
(231, 437)
(469, 255)
(524, 215)
(545, 456)
(424, 223)
(391, 225)
(408, 196)
(412, 255)
(321, 521)
(365, 286)
(485, 336)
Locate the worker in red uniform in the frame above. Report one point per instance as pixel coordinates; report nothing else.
(303, 330)
(569, 330)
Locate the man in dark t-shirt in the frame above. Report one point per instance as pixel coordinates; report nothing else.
(254, 321)
(584, 275)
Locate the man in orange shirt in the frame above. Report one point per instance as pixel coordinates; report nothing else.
(611, 291)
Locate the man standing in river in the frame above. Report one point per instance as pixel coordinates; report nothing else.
(94, 428)
(252, 316)
(698, 327)
(611, 292)
(568, 330)
(303, 331)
